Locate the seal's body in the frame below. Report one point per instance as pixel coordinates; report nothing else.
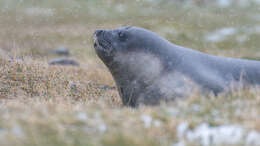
(148, 68)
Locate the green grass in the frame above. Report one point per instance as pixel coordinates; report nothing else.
(42, 105)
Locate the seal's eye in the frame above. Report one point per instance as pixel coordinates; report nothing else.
(121, 36)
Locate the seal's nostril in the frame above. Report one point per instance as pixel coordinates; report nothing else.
(98, 32)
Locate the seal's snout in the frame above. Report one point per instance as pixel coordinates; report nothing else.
(98, 32)
(101, 41)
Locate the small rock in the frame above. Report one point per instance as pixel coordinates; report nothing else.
(73, 86)
(106, 87)
(63, 61)
(62, 51)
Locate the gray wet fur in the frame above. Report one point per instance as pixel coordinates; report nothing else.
(147, 68)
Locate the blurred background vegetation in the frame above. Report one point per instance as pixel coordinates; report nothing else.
(221, 27)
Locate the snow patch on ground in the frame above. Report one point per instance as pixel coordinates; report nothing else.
(120, 8)
(241, 3)
(39, 11)
(253, 138)
(221, 34)
(82, 116)
(224, 3)
(206, 135)
(102, 127)
(149, 121)
(3, 133)
(17, 131)
(257, 1)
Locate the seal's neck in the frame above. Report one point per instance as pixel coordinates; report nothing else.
(133, 72)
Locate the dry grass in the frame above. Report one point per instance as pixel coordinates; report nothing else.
(31, 79)
(53, 105)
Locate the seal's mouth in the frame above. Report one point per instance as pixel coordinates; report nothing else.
(96, 44)
(101, 43)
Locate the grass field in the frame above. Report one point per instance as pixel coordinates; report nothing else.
(44, 105)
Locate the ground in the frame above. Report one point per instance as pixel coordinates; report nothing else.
(62, 105)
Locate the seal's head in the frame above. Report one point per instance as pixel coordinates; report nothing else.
(109, 43)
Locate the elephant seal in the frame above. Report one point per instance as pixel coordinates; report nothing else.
(147, 68)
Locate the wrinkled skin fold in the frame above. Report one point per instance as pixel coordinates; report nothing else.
(149, 69)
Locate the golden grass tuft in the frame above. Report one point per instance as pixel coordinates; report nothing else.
(32, 79)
